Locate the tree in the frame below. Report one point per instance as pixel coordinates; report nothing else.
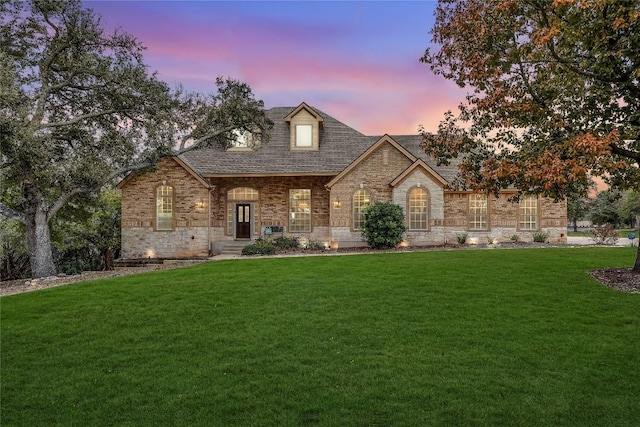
(605, 208)
(577, 208)
(630, 208)
(555, 93)
(79, 108)
(383, 225)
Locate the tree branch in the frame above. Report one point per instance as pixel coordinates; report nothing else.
(12, 214)
(635, 155)
(77, 119)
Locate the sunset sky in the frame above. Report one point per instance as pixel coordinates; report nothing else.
(357, 61)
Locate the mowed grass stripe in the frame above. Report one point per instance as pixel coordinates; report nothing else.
(486, 337)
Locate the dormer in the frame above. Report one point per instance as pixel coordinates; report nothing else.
(305, 125)
(243, 140)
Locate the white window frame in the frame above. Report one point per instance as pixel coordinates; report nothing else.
(418, 209)
(528, 213)
(304, 136)
(478, 211)
(361, 199)
(299, 210)
(164, 208)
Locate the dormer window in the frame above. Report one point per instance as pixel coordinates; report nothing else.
(304, 136)
(305, 124)
(243, 140)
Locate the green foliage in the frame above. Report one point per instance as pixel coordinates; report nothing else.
(605, 208)
(383, 225)
(14, 255)
(630, 208)
(540, 236)
(80, 108)
(437, 338)
(462, 238)
(515, 238)
(87, 237)
(259, 247)
(315, 245)
(286, 242)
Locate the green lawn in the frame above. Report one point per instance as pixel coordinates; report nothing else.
(470, 337)
(623, 233)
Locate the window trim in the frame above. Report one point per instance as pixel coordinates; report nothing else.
(427, 207)
(472, 216)
(361, 213)
(171, 197)
(294, 202)
(300, 127)
(535, 216)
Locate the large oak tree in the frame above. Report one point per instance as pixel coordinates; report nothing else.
(79, 108)
(555, 94)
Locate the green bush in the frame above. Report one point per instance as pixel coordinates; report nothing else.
(383, 225)
(540, 236)
(462, 238)
(283, 242)
(260, 247)
(515, 238)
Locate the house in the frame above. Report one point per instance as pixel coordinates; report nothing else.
(313, 179)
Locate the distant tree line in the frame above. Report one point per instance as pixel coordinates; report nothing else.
(619, 209)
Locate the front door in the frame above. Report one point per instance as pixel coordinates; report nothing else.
(243, 221)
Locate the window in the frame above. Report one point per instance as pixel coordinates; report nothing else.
(361, 199)
(529, 213)
(418, 209)
(164, 208)
(304, 136)
(242, 139)
(299, 210)
(478, 212)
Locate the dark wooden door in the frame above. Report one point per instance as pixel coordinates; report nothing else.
(243, 221)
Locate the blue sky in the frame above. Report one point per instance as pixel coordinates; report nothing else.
(358, 60)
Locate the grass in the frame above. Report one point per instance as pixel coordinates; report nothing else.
(476, 337)
(622, 233)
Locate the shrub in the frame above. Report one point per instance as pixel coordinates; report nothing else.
(492, 240)
(315, 245)
(383, 225)
(604, 235)
(540, 236)
(284, 243)
(515, 238)
(462, 238)
(260, 247)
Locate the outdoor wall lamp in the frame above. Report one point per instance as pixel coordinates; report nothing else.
(200, 204)
(337, 204)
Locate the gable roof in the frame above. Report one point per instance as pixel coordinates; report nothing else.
(310, 110)
(339, 147)
(419, 164)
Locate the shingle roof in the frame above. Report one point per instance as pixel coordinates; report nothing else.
(339, 146)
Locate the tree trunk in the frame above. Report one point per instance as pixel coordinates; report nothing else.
(39, 242)
(575, 225)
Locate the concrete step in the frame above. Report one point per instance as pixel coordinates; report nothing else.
(235, 247)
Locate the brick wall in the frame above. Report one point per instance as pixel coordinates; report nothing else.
(189, 235)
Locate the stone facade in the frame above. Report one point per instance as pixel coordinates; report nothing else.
(212, 204)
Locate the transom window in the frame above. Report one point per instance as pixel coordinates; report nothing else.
(164, 208)
(304, 135)
(478, 212)
(361, 199)
(242, 193)
(299, 210)
(528, 213)
(418, 209)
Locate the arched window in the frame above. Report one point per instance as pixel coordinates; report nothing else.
(361, 199)
(418, 209)
(164, 208)
(242, 193)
